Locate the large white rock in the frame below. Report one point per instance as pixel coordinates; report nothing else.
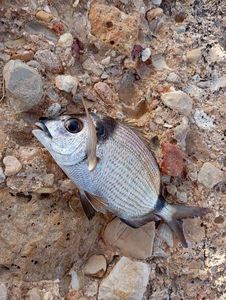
(128, 280)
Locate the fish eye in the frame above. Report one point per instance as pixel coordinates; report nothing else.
(73, 125)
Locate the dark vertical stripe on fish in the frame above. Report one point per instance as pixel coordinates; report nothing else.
(105, 128)
(159, 204)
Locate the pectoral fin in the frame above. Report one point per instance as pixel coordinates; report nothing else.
(86, 205)
(98, 203)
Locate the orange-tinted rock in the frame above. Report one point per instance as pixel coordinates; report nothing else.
(173, 160)
(113, 27)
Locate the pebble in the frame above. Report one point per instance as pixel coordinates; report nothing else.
(156, 2)
(178, 101)
(145, 54)
(66, 83)
(91, 66)
(194, 231)
(12, 165)
(153, 13)
(159, 62)
(36, 28)
(106, 60)
(173, 160)
(34, 294)
(75, 282)
(127, 88)
(3, 291)
(181, 131)
(2, 175)
(27, 153)
(209, 175)
(49, 60)
(104, 92)
(23, 84)
(127, 280)
(96, 266)
(136, 243)
(182, 196)
(194, 55)
(202, 120)
(54, 110)
(165, 234)
(173, 77)
(196, 145)
(24, 55)
(66, 40)
(44, 16)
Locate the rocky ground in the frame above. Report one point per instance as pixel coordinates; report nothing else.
(158, 64)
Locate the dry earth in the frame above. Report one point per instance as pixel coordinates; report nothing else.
(158, 64)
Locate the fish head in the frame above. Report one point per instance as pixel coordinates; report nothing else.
(64, 137)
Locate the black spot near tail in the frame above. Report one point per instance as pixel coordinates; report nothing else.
(105, 128)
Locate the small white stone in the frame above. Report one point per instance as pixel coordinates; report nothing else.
(127, 280)
(178, 101)
(156, 2)
(166, 234)
(92, 66)
(145, 54)
(173, 77)
(76, 3)
(106, 60)
(209, 175)
(12, 165)
(96, 266)
(66, 83)
(202, 120)
(75, 282)
(3, 291)
(2, 175)
(182, 196)
(194, 55)
(66, 40)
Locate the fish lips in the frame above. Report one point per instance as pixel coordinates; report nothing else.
(42, 134)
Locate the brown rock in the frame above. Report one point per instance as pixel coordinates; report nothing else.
(173, 160)
(105, 92)
(44, 16)
(96, 266)
(49, 60)
(196, 146)
(24, 55)
(153, 13)
(113, 27)
(137, 243)
(12, 165)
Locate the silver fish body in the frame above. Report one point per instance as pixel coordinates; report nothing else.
(126, 179)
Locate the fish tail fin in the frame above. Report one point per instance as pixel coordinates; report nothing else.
(172, 215)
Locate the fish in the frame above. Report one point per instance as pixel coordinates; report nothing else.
(126, 180)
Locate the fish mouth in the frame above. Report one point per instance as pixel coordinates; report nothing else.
(42, 126)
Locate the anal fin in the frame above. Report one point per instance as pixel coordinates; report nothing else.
(140, 221)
